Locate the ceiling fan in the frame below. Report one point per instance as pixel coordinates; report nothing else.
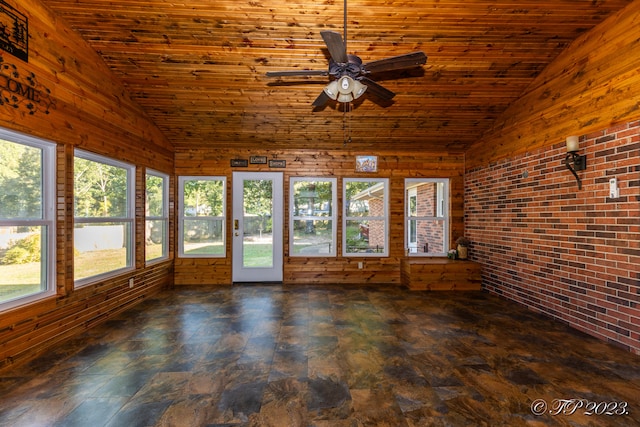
(349, 74)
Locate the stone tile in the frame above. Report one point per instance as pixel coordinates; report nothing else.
(259, 356)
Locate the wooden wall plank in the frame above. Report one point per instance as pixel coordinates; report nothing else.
(91, 110)
(395, 165)
(594, 84)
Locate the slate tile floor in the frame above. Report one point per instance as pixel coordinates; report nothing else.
(272, 355)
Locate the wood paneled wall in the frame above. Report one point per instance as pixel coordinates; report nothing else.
(393, 165)
(592, 85)
(91, 111)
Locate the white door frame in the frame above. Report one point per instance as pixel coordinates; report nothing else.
(240, 272)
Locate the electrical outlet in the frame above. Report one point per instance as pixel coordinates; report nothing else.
(614, 191)
(131, 282)
(360, 265)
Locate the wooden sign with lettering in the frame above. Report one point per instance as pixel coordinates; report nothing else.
(14, 32)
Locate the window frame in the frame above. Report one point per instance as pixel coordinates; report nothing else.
(164, 218)
(384, 217)
(441, 214)
(182, 217)
(47, 219)
(129, 219)
(333, 218)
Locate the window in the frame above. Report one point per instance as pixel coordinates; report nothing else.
(27, 219)
(202, 216)
(103, 215)
(313, 217)
(366, 217)
(427, 218)
(156, 229)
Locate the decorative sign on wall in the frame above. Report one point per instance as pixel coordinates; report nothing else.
(23, 92)
(275, 163)
(366, 163)
(239, 163)
(14, 32)
(258, 160)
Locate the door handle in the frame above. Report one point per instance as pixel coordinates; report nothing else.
(236, 224)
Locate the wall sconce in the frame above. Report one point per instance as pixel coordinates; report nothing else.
(574, 161)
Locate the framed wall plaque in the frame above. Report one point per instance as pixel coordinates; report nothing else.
(239, 163)
(275, 163)
(258, 160)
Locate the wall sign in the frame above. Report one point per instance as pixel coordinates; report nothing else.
(277, 163)
(239, 163)
(14, 32)
(23, 92)
(258, 160)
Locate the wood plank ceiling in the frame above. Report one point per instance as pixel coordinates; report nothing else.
(198, 66)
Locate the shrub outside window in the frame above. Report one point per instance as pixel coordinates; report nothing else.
(313, 217)
(365, 217)
(103, 216)
(156, 229)
(27, 219)
(426, 217)
(202, 216)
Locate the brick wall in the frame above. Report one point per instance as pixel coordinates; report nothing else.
(429, 232)
(571, 254)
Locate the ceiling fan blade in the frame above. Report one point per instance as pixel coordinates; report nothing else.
(396, 62)
(377, 89)
(321, 100)
(336, 46)
(296, 73)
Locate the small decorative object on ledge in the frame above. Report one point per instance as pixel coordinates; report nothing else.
(452, 254)
(463, 245)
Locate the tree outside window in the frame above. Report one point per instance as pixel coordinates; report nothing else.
(27, 227)
(103, 216)
(156, 216)
(202, 216)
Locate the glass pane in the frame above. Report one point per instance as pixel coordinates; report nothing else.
(155, 239)
(258, 211)
(99, 190)
(154, 195)
(365, 236)
(312, 198)
(429, 236)
(22, 267)
(203, 198)
(312, 237)
(203, 237)
(413, 205)
(20, 181)
(100, 248)
(426, 202)
(364, 198)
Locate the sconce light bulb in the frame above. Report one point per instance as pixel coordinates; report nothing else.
(572, 144)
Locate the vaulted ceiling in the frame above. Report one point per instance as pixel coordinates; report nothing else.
(197, 67)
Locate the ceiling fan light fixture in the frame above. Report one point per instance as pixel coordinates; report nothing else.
(332, 90)
(345, 85)
(358, 89)
(345, 97)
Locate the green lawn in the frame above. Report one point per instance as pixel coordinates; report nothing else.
(93, 263)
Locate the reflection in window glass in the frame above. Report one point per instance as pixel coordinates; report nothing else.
(365, 217)
(27, 233)
(313, 217)
(202, 216)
